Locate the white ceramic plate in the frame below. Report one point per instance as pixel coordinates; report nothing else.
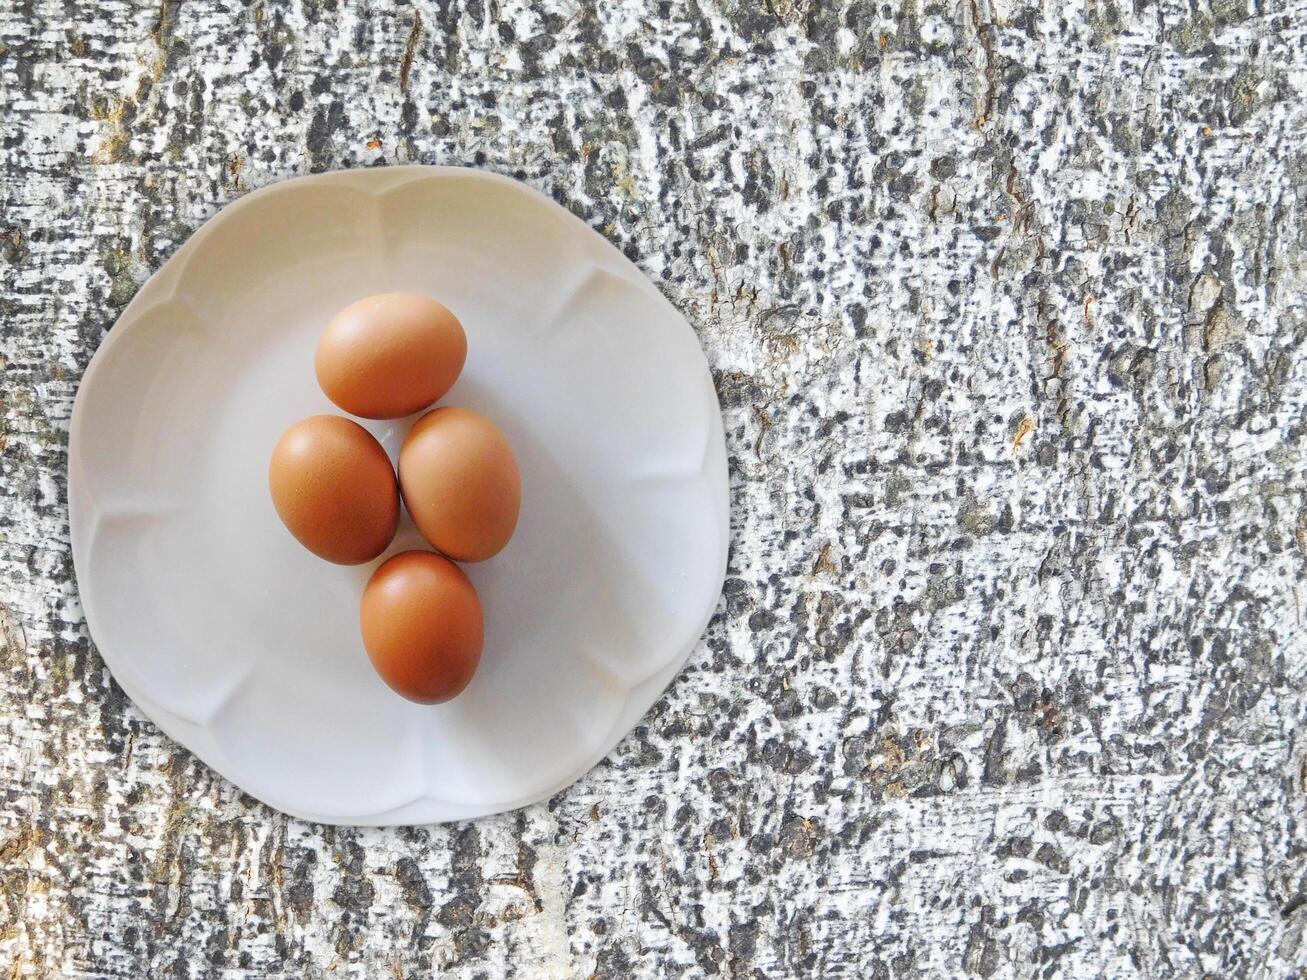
(245, 648)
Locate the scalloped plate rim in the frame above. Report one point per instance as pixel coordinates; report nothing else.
(161, 288)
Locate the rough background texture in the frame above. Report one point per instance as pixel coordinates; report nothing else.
(1005, 301)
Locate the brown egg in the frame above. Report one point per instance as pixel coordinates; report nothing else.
(390, 355)
(460, 483)
(422, 626)
(334, 489)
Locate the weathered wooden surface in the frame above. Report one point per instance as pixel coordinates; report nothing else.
(1006, 306)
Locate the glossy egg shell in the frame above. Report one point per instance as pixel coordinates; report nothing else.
(460, 483)
(422, 626)
(390, 355)
(334, 489)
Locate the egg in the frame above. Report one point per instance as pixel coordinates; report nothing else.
(460, 483)
(390, 355)
(422, 626)
(334, 489)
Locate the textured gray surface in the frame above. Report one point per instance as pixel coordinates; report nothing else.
(1006, 306)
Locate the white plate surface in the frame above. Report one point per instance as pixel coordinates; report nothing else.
(245, 648)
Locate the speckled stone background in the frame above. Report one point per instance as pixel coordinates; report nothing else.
(1005, 304)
